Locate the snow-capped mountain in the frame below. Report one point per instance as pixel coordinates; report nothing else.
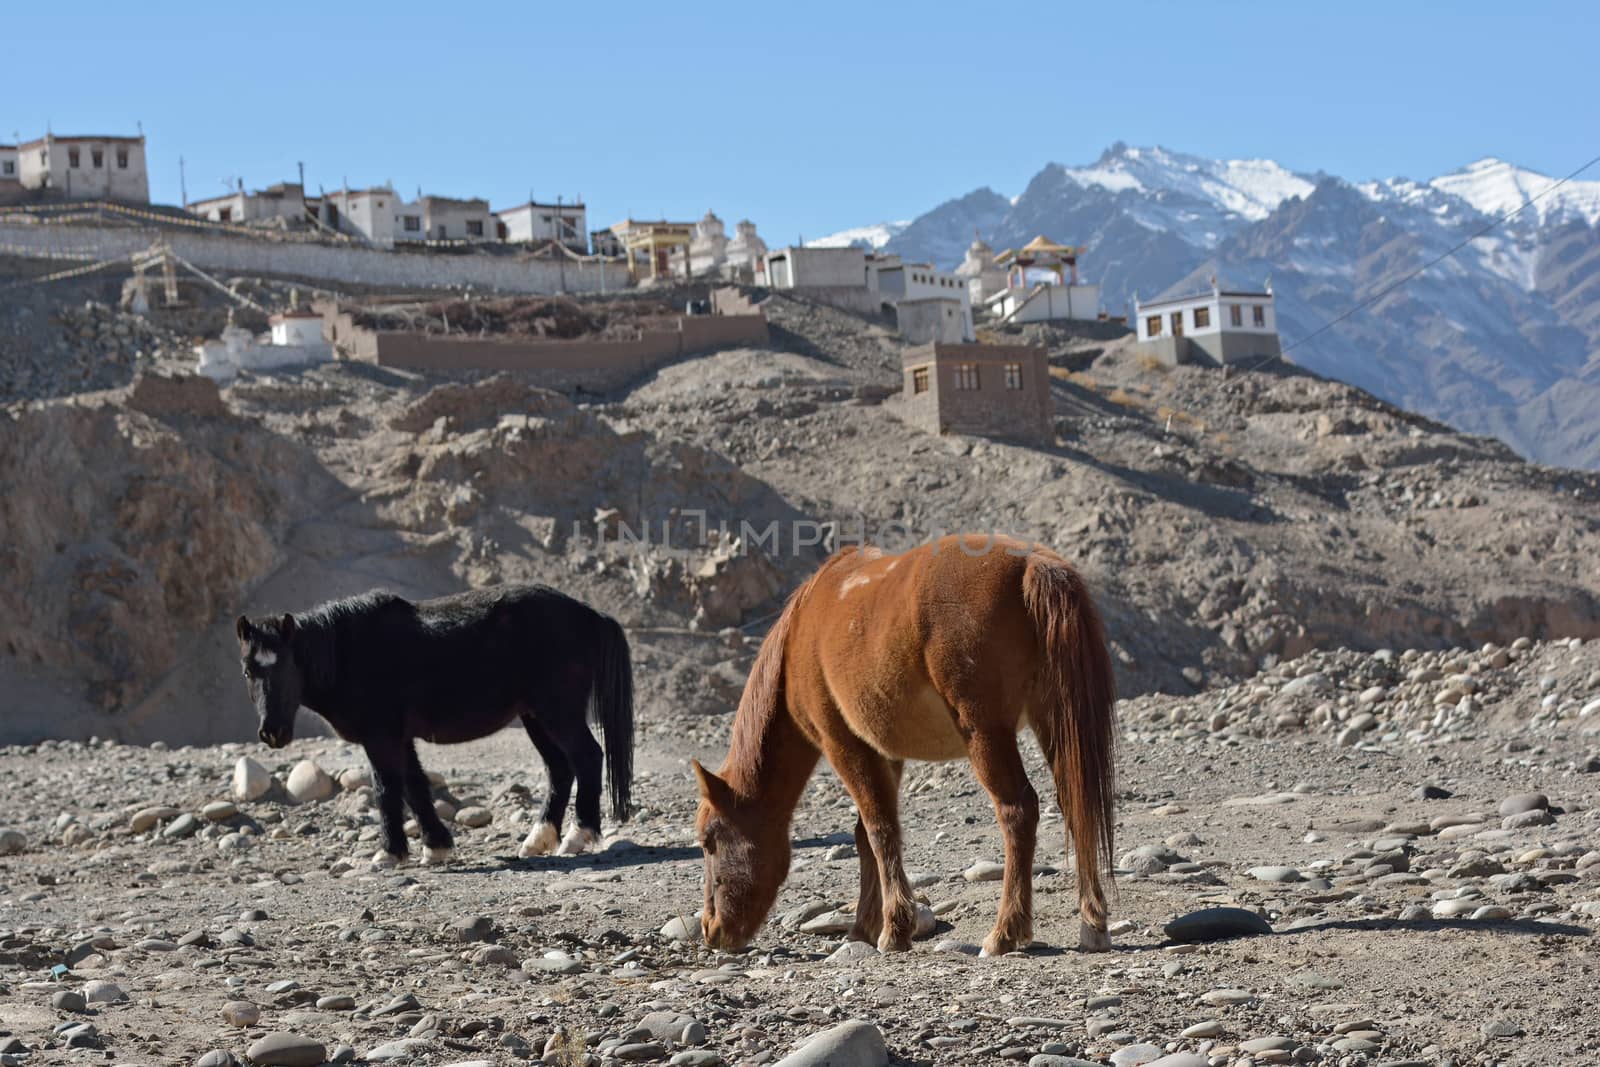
(1496, 187)
(1501, 338)
(874, 237)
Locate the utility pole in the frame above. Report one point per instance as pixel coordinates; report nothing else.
(561, 246)
(183, 188)
(302, 167)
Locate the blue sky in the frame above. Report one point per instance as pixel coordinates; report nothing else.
(807, 117)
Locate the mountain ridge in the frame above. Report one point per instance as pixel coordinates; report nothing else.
(1503, 337)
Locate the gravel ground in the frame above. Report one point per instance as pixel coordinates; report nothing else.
(1430, 896)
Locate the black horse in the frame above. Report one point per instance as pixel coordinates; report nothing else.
(384, 671)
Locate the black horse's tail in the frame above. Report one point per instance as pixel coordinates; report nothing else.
(611, 709)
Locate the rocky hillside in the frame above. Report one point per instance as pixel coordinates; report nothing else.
(1499, 340)
(1228, 521)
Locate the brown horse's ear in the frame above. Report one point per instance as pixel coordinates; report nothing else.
(286, 626)
(712, 789)
(241, 627)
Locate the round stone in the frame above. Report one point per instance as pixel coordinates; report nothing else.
(309, 783)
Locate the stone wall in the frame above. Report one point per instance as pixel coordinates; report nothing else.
(597, 366)
(238, 254)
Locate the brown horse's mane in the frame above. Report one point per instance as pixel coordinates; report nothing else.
(762, 698)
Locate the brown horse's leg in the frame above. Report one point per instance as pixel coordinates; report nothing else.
(869, 902)
(874, 784)
(998, 765)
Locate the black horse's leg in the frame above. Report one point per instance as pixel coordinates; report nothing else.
(389, 782)
(543, 838)
(419, 794)
(588, 761)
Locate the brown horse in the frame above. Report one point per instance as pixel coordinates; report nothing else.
(941, 652)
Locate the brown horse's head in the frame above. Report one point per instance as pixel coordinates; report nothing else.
(747, 859)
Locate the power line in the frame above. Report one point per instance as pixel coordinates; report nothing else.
(1435, 261)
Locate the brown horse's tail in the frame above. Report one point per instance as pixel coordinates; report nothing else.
(1075, 717)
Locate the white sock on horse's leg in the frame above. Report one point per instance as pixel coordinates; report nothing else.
(1092, 938)
(386, 859)
(438, 855)
(579, 839)
(541, 840)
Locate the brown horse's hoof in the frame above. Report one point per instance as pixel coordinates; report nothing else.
(862, 934)
(1093, 938)
(887, 942)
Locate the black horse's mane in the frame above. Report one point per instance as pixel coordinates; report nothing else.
(316, 639)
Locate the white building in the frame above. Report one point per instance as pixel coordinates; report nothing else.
(285, 200)
(370, 213)
(383, 218)
(85, 168)
(444, 218)
(1218, 326)
(1045, 301)
(795, 267)
(895, 281)
(295, 341)
(1041, 284)
(536, 223)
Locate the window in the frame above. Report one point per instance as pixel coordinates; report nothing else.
(122, 159)
(1259, 314)
(546, 219)
(1013, 376)
(411, 223)
(1202, 318)
(72, 158)
(967, 376)
(225, 214)
(919, 380)
(1152, 326)
(98, 158)
(9, 167)
(1235, 315)
(474, 227)
(1176, 318)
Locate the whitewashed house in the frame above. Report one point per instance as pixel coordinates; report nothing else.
(1221, 326)
(536, 223)
(85, 168)
(284, 200)
(804, 267)
(445, 218)
(369, 213)
(897, 282)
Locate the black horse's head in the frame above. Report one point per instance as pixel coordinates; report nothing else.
(266, 650)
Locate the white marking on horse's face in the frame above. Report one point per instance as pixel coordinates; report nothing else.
(855, 581)
(893, 563)
(264, 657)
